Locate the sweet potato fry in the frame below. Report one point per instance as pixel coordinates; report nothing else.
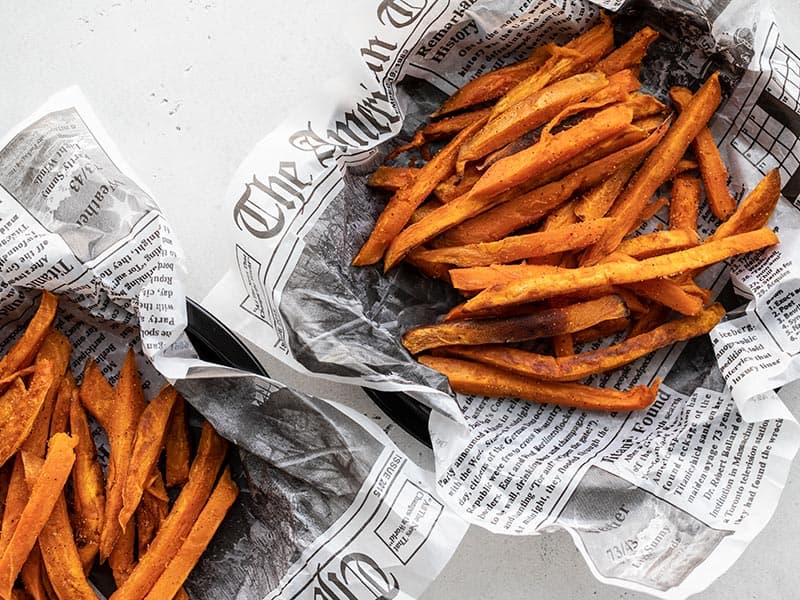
(481, 379)
(97, 395)
(392, 178)
(527, 208)
(601, 330)
(544, 323)
(452, 125)
(659, 242)
(596, 202)
(630, 54)
(570, 280)
(151, 512)
(25, 348)
(755, 210)
(684, 165)
(668, 293)
(657, 167)
(577, 55)
(128, 406)
(648, 212)
(59, 422)
(532, 112)
(121, 558)
(684, 205)
(34, 577)
(510, 249)
(480, 278)
(405, 201)
(150, 433)
(712, 169)
(87, 485)
(5, 478)
(43, 496)
(20, 407)
(210, 453)
(584, 364)
(431, 269)
(182, 563)
(178, 449)
(58, 550)
(15, 499)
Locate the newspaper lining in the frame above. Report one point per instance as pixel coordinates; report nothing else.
(707, 461)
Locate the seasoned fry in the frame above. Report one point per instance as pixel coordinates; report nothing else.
(25, 348)
(457, 185)
(97, 395)
(34, 577)
(544, 323)
(452, 125)
(151, 512)
(510, 249)
(59, 421)
(685, 203)
(121, 559)
(684, 165)
(405, 201)
(596, 202)
(392, 178)
(582, 365)
(480, 278)
(755, 210)
(630, 54)
(43, 496)
(178, 449)
(20, 407)
(147, 446)
(570, 280)
(15, 500)
(712, 169)
(657, 167)
(648, 212)
(659, 242)
(668, 293)
(601, 330)
(193, 496)
(171, 580)
(485, 380)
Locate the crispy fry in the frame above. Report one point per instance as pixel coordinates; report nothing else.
(5, 478)
(648, 212)
(480, 278)
(128, 406)
(121, 559)
(59, 422)
(668, 293)
(684, 165)
(659, 242)
(25, 348)
(596, 202)
(582, 365)
(15, 500)
(563, 345)
(529, 207)
(58, 550)
(34, 576)
(657, 167)
(685, 204)
(545, 323)
(457, 185)
(182, 563)
(431, 269)
(392, 178)
(417, 141)
(485, 380)
(87, 485)
(570, 280)
(147, 446)
(452, 125)
(151, 512)
(510, 249)
(712, 169)
(97, 395)
(559, 218)
(630, 54)
(577, 55)
(402, 205)
(19, 408)
(193, 496)
(532, 112)
(601, 330)
(43, 496)
(178, 449)
(755, 210)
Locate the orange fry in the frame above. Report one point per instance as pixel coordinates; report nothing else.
(452, 125)
(659, 242)
(712, 169)
(97, 395)
(755, 210)
(392, 178)
(485, 380)
(544, 323)
(178, 449)
(630, 54)
(668, 293)
(151, 512)
(657, 167)
(582, 365)
(24, 349)
(685, 204)
(59, 422)
(648, 212)
(595, 203)
(182, 563)
(121, 559)
(470, 279)
(613, 273)
(20, 407)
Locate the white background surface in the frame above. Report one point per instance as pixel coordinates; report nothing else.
(186, 89)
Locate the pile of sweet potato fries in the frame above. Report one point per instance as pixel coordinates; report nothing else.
(59, 515)
(532, 211)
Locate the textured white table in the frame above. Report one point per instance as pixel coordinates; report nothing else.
(186, 89)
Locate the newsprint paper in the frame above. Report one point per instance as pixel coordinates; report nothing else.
(662, 500)
(328, 505)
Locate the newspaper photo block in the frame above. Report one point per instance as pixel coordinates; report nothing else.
(662, 500)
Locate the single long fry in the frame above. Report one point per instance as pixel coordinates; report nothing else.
(43, 496)
(88, 487)
(481, 379)
(128, 406)
(177, 446)
(571, 280)
(147, 446)
(712, 169)
(406, 200)
(221, 500)
(452, 125)
(510, 249)
(532, 112)
(601, 330)
(582, 365)
(121, 559)
(755, 210)
(529, 207)
(97, 395)
(596, 202)
(659, 242)
(58, 550)
(630, 54)
(15, 500)
(648, 212)
(657, 167)
(59, 422)
(668, 293)
(545, 323)
(24, 349)
(20, 407)
(685, 203)
(210, 453)
(392, 178)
